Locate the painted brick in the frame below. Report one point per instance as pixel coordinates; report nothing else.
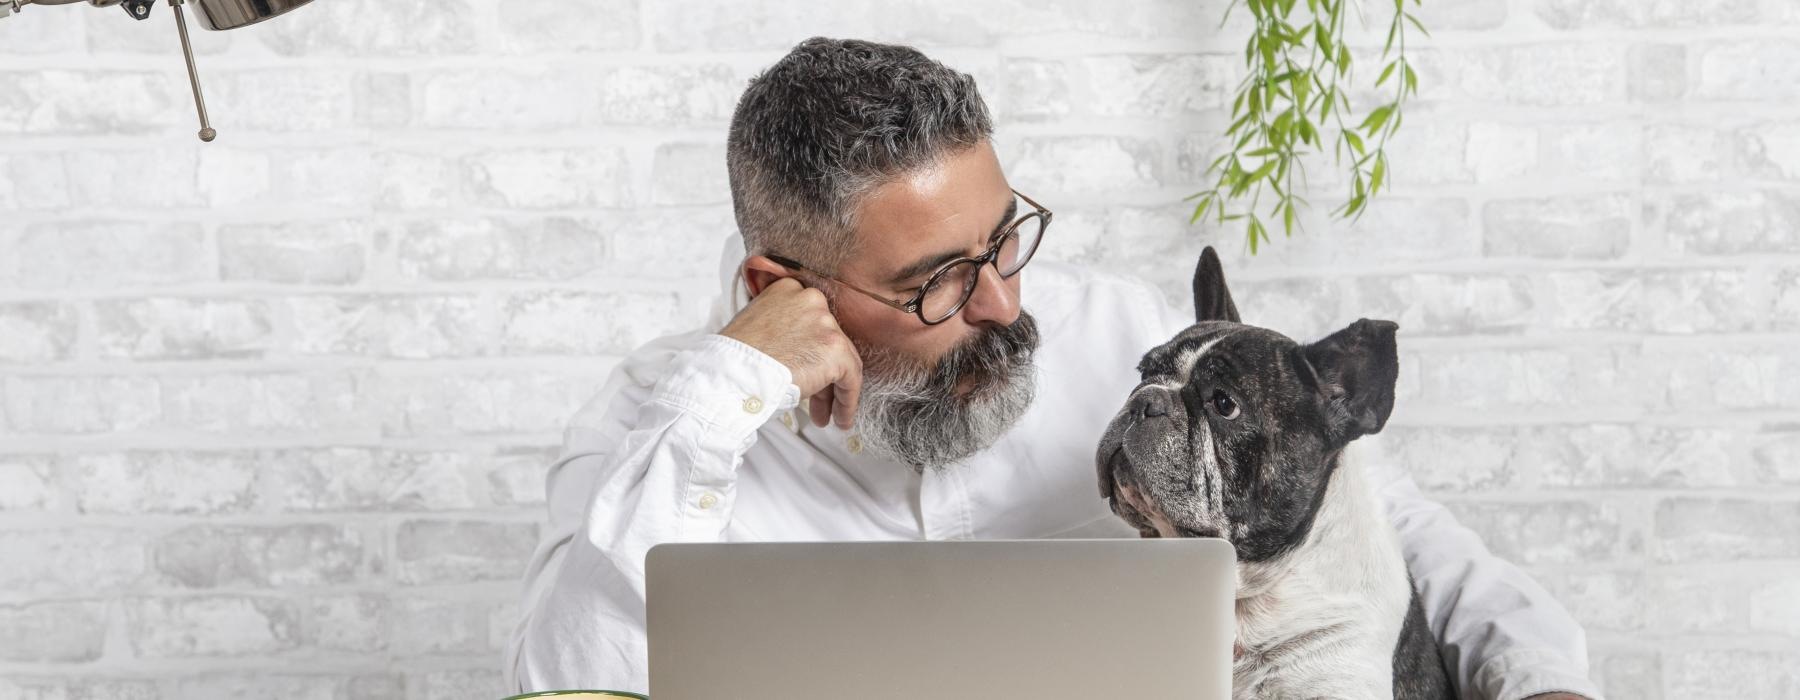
(37, 332)
(53, 631)
(146, 481)
(364, 479)
(302, 252)
(203, 556)
(443, 551)
(1716, 529)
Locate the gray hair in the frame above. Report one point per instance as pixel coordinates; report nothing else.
(829, 122)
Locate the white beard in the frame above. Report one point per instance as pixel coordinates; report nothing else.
(916, 416)
(903, 419)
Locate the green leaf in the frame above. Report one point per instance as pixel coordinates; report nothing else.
(1239, 124)
(1267, 166)
(1373, 122)
(1244, 140)
(1386, 73)
(1376, 175)
(1241, 185)
(1356, 142)
(1412, 80)
(1421, 27)
(1200, 209)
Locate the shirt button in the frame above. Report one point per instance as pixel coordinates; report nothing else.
(855, 444)
(753, 405)
(787, 419)
(707, 501)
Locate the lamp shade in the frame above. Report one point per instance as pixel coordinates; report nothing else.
(231, 14)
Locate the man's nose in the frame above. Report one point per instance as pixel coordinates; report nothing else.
(1151, 402)
(993, 300)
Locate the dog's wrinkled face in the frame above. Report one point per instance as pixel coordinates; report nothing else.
(1235, 429)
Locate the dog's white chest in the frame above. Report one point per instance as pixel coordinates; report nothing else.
(1323, 619)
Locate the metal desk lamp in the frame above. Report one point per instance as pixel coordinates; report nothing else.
(216, 15)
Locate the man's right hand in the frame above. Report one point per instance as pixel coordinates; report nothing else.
(793, 324)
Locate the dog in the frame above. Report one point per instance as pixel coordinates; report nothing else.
(1241, 433)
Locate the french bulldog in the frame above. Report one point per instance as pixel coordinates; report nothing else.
(1241, 433)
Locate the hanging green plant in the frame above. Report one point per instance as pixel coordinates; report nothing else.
(1292, 101)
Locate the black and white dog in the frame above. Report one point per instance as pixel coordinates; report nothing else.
(1241, 433)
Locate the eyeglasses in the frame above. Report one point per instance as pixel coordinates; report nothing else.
(950, 287)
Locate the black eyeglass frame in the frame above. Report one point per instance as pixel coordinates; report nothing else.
(916, 305)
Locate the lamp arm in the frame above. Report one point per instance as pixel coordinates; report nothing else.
(214, 14)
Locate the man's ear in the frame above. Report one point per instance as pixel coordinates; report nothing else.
(760, 272)
(1212, 301)
(1354, 371)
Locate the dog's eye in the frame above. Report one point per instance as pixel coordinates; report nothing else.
(1223, 404)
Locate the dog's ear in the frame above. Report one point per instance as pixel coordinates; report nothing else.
(1212, 301)
(1354, 371)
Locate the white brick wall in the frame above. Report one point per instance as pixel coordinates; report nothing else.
(273, 411)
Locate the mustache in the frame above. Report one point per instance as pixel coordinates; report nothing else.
(994, 354)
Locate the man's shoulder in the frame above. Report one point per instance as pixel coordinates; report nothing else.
(1077, 292)
(1061, 275)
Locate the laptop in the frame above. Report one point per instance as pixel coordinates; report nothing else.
(1038, 619)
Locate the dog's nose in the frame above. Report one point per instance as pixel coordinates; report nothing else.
(1151, 402)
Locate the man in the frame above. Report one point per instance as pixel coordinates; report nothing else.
(887, 380)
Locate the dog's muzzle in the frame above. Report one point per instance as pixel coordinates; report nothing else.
(1141, 434)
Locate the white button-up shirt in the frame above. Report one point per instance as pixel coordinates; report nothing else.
(699, 437)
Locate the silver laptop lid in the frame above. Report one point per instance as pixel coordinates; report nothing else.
(1038, 619)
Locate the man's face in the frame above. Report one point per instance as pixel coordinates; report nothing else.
(933, 394)
(910, 227)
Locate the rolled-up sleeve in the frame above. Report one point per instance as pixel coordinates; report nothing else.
(653, 458)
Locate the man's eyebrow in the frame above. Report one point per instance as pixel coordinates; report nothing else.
(931, 263)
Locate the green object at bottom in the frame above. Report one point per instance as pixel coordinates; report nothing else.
(573, 694)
